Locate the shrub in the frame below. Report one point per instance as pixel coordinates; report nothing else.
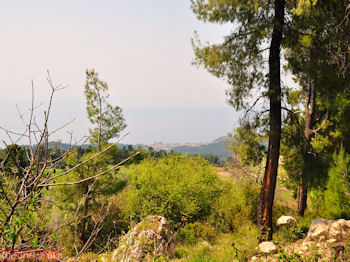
(193, 232)
(337, 198)
(333, 202)
(180, 188)
(236, 206)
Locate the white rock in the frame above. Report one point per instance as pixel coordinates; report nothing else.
(267, 247)
(286, 221)
(205, 244)
(305, 246)
(331, 241)
(334, 230)
(254, 258)
(152, 236)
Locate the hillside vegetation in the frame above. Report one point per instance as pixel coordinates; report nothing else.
(286, 65)
(216, 148)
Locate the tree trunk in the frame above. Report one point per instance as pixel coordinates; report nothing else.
(85, 212)
(302, 198)
(269, 183)
(309, 121)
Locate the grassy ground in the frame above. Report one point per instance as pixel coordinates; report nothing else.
(237, 246)
(284, 197)
(223, 173)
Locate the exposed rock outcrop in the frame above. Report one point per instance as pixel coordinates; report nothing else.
(287, 221)
(329, 230)
(151, 237)
(267, 247)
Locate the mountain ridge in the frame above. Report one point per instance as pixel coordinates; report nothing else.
(216, 147)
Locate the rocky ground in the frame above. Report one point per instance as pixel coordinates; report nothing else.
(327, 240)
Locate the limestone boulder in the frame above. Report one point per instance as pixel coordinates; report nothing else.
(329, 230)
(287, 221)
(151, 237)
(267, 247)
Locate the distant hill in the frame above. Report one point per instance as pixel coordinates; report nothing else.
(216, 148)
(64, 146)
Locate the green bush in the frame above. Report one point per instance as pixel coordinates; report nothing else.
(337, 198)
(180, 188)
(193, 232)
(236, 206)
(333, 202)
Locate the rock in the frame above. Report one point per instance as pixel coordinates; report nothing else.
(267, 247)
(305, 246)
(331, 241)
(329, 230)
(205, 244)
(286, 221)
(151, 237)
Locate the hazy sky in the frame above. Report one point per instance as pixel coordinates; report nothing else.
(142, 48)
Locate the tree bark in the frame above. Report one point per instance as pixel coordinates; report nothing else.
(269, 182)
(302, 198)
(309, 121)
(84, 217)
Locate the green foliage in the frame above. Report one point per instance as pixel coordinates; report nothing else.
(86, 204)
(240, 58)
(305, 6)
(176, 187)
(71, 200)
(248, 143)
(24, 220)
(14, 161)
(109, 120)
(194, 232)
(237, 246)
(212, 159)
(290, 257)
(287, 235)
(305, 50)
(236, 206)
(337, 194)
(304, 223)
(333, 201)
(23, 224)
(310, 165)
(292, 143)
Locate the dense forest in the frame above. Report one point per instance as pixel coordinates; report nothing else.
(287, 66)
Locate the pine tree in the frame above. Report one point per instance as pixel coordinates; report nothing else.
(109, 119)
(240, 60)
(337, 193)
(309, 37)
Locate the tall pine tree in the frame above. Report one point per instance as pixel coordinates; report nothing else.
(241, 60)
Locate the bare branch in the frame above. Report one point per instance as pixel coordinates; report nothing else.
(89, 159)
(92, 177)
